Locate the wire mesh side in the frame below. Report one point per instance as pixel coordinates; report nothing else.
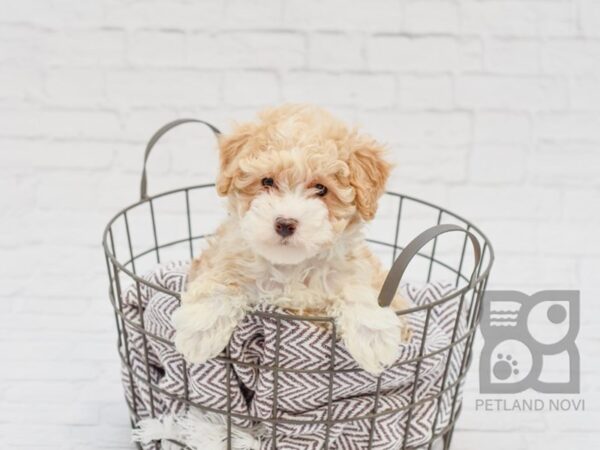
(469, 302)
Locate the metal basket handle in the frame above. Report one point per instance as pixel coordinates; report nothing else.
(392, 281)
(155, 138)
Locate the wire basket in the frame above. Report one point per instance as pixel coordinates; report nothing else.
(172, 225)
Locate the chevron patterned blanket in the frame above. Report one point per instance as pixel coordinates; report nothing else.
(299, 392)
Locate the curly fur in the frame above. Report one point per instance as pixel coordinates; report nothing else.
(325, 266)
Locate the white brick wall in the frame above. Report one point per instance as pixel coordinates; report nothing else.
(491, 107)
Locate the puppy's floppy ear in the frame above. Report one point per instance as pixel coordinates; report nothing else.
(229, 148)
(369, 172)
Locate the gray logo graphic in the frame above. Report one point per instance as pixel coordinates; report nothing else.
(528, 340)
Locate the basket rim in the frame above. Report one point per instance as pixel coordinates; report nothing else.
(481, 276)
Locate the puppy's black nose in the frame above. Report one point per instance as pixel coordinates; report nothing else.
(285, 227)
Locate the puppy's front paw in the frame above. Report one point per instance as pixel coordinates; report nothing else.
(372, 336)
(203, 330)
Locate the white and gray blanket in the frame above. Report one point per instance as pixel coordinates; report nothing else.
(303, 383)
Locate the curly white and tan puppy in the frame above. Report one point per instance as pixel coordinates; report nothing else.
(300, 186)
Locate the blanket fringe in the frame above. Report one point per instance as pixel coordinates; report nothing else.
(197, 430)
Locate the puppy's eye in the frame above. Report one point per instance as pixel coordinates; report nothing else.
(268, 182)
(321, 190)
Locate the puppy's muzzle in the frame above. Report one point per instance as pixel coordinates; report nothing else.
(285, 227)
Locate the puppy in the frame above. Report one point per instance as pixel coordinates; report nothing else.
(300, 185)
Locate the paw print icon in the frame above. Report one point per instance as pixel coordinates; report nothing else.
(505, 367)
(527, 340)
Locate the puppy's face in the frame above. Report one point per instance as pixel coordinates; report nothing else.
(296, 179)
